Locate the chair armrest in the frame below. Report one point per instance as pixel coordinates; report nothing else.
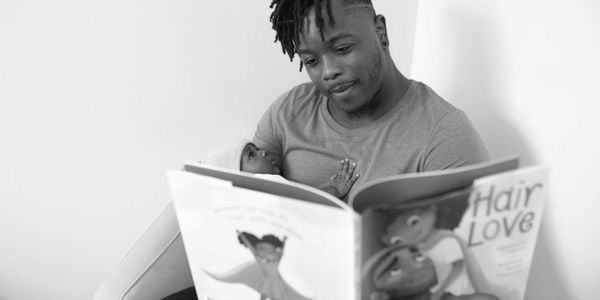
(154, 267)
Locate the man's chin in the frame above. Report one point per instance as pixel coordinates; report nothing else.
(349, 106)
(356, 112)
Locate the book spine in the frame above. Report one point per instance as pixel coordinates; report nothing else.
(356, 223)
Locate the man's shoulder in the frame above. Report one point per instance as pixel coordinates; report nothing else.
(431, 101)
(299, 98)
(301, 93)
(450, 133)
(304, 89)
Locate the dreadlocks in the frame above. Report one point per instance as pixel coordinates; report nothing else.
(288, 17)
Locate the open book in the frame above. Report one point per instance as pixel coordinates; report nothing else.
(465, 233)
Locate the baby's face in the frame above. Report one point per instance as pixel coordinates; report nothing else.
(258, 161)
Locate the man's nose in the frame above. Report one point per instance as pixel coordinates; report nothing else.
(331, 69)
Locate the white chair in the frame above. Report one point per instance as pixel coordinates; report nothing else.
(155, 266)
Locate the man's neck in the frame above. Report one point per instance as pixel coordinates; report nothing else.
(389, 95)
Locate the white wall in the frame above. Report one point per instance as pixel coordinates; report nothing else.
(527, 74)
(99, 98)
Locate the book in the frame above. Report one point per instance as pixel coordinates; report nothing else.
(463, 233)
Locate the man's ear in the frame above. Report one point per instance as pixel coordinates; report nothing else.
(381, 30)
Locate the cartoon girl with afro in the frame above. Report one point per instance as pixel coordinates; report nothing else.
(262, 274)
(428, 226)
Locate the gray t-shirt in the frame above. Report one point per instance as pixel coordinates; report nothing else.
(422, 132)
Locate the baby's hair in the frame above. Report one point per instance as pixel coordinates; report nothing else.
(249, 144)
(288, 16)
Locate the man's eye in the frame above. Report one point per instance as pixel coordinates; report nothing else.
(251, 155)
(343, 49)
(310, 62)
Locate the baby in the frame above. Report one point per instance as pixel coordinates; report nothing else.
(245, 156)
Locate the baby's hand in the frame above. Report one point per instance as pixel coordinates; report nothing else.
(343, 180)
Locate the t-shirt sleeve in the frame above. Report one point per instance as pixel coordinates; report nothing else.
(268, 131)
(454, 142)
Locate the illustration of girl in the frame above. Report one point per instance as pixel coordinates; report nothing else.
(262, 274)
(428, 225)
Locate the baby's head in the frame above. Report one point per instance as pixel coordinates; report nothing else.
(243, 156)
(255, 160)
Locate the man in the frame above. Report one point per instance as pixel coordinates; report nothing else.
(357, 104)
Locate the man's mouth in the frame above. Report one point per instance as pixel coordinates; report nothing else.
(339, 89)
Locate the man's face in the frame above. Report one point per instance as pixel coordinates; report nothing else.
(346, 64)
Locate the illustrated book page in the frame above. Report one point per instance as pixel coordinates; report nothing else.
(248, 244)
(475, 242)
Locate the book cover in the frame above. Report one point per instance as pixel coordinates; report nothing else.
(473, 243)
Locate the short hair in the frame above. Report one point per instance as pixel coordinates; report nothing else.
(288, 16)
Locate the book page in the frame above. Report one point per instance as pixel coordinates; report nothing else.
(472, 243)
(245, 244)
(413, 186)
(261, 183)
(501, 226)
